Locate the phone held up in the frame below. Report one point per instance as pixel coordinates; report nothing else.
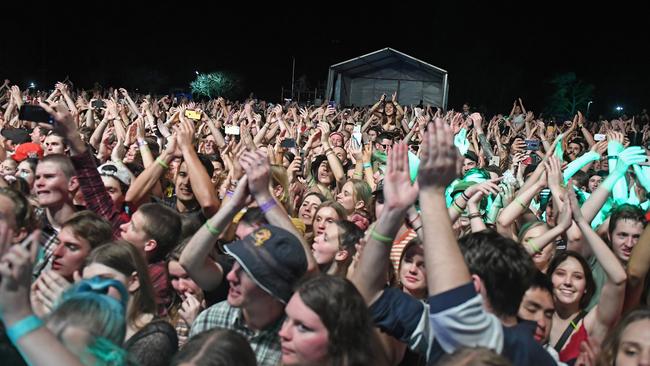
(193, 115)
(34, 113)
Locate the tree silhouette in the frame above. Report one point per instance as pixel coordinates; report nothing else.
(569, 95)
(216, 84)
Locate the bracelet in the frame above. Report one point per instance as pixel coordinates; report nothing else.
(213, 230)
(415, 219)
(462, 194)
(142, 143)
(521, 203)
(268, 205)
(380, 238)
(417, 228)
(532, 245)
(475, 215)
(455, 206)
(230, 193)
(367, 165)
(612, 157)
(23, 327)
(162, 163)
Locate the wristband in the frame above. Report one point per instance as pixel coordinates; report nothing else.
(462, 194)
(612, 157)
(367, 165)
(455, 206)
(213, 230)
(475, 215)
(230, 193)
(142, 143)
(23, 327)
(380, 238)
(532, 245)
(160, 162)
(268, 205)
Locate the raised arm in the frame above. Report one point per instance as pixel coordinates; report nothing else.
(604, 315)
(370, 276)
(440, 164)
(258, 170)
(199, 178)
(332, 159)
(195, 256)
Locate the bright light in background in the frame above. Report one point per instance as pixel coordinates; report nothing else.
(32, 85)
(196, 72)
(619, 108)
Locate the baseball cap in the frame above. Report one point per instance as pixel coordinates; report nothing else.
(273, 258)
(28, 150)
(116, 171)
(16, 135)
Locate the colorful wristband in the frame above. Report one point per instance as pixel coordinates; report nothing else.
(267, 206)
(213, 230)
(367, 165)
(160, 162)
(380, 238)
(23, 327)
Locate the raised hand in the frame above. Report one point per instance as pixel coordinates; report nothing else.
(440, 161)
(190, 308)
(15, 278)
(257, 168)
(399, 193)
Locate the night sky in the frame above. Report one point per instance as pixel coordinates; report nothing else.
(493, 53)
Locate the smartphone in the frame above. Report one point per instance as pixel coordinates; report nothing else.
(98, 104)
(232, 130)
(34, 113)
(302, 163)
(191, 114)
(356, 135)
(288, 143)
(527, 161)
(532, 145)
(332, 104)
(600, 137)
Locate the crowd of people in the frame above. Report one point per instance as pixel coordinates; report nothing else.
(155, 230)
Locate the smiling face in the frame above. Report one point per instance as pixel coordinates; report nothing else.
(308, 209)
(569, 283)
(183, 186)
(303, 336)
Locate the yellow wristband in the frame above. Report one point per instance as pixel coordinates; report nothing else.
(162, 163)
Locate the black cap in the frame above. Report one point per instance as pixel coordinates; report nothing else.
(274, 259)
(16, 135)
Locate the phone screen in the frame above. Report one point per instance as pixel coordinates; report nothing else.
(34, 113)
